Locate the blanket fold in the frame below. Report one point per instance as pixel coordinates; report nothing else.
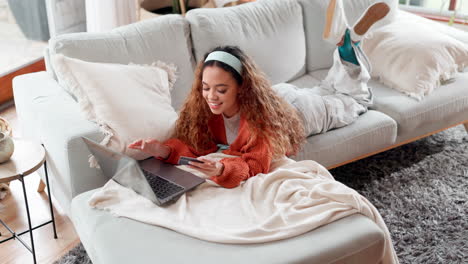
(294, 198)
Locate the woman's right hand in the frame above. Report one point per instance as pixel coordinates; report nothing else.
(152, 147)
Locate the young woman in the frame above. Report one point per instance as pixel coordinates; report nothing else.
(232, 108)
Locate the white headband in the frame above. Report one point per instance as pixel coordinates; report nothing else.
(227, 58)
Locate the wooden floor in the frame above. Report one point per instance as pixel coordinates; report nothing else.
(13, 213)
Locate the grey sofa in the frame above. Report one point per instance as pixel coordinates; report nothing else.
(284, 38)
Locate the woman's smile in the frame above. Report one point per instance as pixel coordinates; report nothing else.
(214, 105)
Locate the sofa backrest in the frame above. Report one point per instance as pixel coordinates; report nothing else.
(354, 10)
(270, 31)
(319, 52)
(165, 38)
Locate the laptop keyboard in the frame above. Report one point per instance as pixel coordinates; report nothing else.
(161, 187)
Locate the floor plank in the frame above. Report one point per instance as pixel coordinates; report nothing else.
(13, 213)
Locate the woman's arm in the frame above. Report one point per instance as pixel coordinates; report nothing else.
(254, 159)
(168, 151)
(152, 147)
(177, 148)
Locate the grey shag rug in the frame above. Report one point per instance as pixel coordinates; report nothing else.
(421, 190)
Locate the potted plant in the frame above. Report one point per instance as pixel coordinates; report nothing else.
(177, 8)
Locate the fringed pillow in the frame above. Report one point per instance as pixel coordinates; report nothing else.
(128, 102)
(414, 55)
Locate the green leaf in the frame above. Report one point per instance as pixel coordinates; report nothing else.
(175, 7)
(451, 21)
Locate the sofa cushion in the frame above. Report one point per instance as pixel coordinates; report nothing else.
(141, 91)
(165, 38)
(435, 56)
(319, 52)
(353, 239)
(305, 81)
(371, 132)
(271, 32)
(444, 107)
(354, 10)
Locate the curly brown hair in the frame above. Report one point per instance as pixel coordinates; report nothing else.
(268, 115)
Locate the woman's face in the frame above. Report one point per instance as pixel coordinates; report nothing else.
(220, 91)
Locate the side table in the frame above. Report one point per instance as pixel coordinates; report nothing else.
(26, 159)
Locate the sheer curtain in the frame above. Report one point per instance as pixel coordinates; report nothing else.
(104, 15)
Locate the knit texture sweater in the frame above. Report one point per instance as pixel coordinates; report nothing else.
(253, 157)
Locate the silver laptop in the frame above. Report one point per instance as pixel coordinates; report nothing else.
(160, 182)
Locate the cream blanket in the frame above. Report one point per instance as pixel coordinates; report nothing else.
(294, 198)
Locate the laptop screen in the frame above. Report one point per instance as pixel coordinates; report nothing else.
(110, 161)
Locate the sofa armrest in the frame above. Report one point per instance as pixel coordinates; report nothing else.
(49, 114)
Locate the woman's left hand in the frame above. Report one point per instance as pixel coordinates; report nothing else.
(209, 167)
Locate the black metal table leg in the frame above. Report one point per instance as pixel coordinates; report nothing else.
(29, 218)
(50, 199)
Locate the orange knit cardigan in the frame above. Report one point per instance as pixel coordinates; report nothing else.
(253, 158)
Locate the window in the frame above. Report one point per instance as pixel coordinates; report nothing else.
(23, 34)
(23, 37)
(451, 9)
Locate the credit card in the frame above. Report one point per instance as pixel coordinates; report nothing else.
(185, 160)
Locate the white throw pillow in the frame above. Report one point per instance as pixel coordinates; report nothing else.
(128, 102)
(414, 56)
